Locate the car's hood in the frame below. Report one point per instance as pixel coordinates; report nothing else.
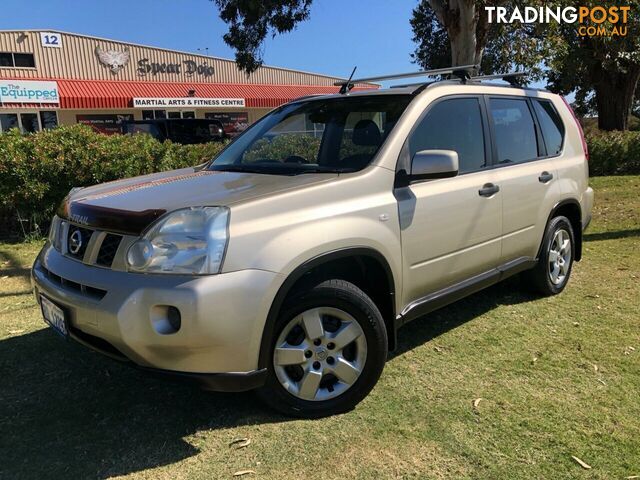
(130, 205)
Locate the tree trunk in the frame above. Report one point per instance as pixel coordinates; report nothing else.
(615, 92)
(464, 25)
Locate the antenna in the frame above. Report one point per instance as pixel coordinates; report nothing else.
(348, 85)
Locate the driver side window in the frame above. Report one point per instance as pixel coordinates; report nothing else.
(454, 124)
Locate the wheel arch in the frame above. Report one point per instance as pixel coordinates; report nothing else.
(571, 209)
(338, 263)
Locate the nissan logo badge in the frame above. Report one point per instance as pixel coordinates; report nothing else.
(75, 242)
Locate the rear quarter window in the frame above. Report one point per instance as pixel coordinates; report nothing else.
(551, 126)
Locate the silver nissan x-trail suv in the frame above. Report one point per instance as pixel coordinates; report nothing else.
(288, 263)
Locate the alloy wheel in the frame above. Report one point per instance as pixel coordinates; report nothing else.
(320, 354)
(559, 256)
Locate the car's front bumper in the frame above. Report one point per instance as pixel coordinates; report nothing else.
(116, 313)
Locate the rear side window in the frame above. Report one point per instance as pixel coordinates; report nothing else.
(551, 126)
(514, 130)
(454, 124)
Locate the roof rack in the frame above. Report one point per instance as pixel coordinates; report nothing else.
(512, 78)
(463, 72)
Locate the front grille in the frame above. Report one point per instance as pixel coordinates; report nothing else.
(108, 249)
(77, 241)
(66, 284)
(92, 247)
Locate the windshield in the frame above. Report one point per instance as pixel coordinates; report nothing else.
(330, 135)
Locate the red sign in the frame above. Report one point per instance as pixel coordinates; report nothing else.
(234, 123)
(106, 123)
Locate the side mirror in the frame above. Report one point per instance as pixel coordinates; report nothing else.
(428, 164)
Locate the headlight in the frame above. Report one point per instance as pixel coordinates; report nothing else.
(188, 241)
(55, 233)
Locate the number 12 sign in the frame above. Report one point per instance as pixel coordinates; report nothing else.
(51, 39)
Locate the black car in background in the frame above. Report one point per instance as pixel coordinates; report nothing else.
(178, 130)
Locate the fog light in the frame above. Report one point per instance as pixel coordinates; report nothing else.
(165, 319)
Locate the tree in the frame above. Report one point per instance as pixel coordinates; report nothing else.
(250, 21)
(603, 70)
(466, 23)
(501, 47)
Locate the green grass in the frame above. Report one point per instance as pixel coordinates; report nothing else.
(557, 377)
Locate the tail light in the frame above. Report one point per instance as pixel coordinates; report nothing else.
(584, 141)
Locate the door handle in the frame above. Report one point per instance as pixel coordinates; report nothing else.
(545, 177)
(488, 189)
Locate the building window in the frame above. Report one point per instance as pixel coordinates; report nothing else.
(28, 122)
(17, 60)
(48, 119)
(153, 114)
(8, 121)
(159, 114)
(6, 59)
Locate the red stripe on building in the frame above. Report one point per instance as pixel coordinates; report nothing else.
(106, 94)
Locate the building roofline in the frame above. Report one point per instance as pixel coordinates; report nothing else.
(168, 50)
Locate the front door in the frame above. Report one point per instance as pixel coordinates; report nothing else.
(450, 228)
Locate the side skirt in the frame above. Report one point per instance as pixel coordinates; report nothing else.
(455, 292)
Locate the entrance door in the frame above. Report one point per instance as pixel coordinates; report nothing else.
(451, 227)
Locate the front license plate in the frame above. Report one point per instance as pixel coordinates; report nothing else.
(54, 316)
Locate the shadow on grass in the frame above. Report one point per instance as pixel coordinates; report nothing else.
(66, 412)
(612, 235)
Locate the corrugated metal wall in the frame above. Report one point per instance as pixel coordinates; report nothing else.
(78, 59)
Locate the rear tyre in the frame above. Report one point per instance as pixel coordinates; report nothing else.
(327, 352)
(552, 272)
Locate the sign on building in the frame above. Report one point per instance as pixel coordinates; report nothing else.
(105, 123)
(28, 91)
(50, 39)
(234, 123)
(188, 102)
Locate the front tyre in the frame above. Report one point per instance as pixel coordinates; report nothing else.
(327, 352)
(551, 274)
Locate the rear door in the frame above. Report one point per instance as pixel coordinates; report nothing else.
(450, 227)
(525, 169)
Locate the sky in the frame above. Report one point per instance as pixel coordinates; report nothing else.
(373, 35)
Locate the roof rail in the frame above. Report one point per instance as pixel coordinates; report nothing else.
(463, 72)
